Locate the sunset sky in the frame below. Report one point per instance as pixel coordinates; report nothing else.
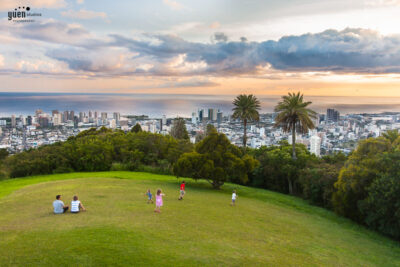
(322, 48)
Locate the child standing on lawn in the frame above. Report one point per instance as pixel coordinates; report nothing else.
(159, 201)
(182, 191)
(149, 196)
(234, 196)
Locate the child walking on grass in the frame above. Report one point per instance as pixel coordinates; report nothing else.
(159, 200)
(234, 196)
(149, 196)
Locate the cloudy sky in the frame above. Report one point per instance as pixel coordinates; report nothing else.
(322, 48)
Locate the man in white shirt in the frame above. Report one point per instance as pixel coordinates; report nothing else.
(59, 206)
(76, 205)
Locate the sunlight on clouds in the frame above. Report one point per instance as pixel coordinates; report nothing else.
(378, 3)
(173, 4)
(83, 14)
(384, 19)
(42, 67)
(180, 65)
(10, 4)
(215, 25)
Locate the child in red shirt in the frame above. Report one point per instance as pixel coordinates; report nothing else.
(182, 191)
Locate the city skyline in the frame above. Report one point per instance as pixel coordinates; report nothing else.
(333, 132)
(176, 105)
(329, 48)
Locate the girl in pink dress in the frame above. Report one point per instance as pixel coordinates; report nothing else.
(159, 201)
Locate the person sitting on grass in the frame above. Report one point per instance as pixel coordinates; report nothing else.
(234, 196)
(182, 191)
(76, 205)
(159, 201)
(59, 206)
(149, 196)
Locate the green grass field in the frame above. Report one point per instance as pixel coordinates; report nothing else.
(120, 229)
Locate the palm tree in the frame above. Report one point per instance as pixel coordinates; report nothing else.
(293, 112)
(246, 108)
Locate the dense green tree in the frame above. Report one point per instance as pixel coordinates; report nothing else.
(179, 130)
(338, 158)
(216, 160)
(382, 206)
(293, 113)
(277, 170)
(246, 109)
(364, 165)
(93, 150)
(201, 135)
(137, 128)
(210, 129)
(3, 154)
(317, 181)
(391, 135)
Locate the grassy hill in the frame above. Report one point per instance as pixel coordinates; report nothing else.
(120, 229)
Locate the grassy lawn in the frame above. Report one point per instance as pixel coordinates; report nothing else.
(120, 229)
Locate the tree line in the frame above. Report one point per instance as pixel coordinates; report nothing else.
(364, 186)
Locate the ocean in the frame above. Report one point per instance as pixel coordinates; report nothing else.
(174, 105)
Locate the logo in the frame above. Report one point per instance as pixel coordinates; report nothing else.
(22, 14)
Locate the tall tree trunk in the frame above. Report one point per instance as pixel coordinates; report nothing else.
(290, 186)
(245, 133)
(294, 142)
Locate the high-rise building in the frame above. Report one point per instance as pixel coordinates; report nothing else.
(219, 116)
(81, 116)
(22, 120)
(65, 116)
(262, 132)
(104, 116)
(194, 118)
(152, 128)
(332, 115)
(315, 145)
(13, 121)
(43, 121)
(90, 114)
(38, 112)
(212, 114)
(57, 119)
(113, 124)
(164, 120)
(316, 120)
(76, 121)
(117, 117)
(71, 115)
(201, 115)
(215, 114)
(29, 120)
(96, 115)
(53, 112)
